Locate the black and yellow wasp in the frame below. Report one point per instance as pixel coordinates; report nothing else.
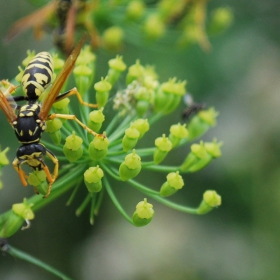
(28, 121)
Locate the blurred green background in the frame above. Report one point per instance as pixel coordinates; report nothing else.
(240, 240)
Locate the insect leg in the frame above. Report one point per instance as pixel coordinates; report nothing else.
(17, 166)
(73, 117)
(51, 178)
(74, 91)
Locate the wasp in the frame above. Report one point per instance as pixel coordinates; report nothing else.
(63, 16)
(29, 120)
(192, 107)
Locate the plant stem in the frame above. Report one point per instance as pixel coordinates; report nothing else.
(26, 257)
(115, 201)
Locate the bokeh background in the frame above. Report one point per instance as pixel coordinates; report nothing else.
(240, 240)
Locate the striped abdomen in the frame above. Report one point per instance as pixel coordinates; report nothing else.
(37, 75)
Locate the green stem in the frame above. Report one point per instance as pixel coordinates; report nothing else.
(112, 124)
(148, 166)
(115, 201)
(174, 205)
(73, 194)
(84, 204)
(26, 257)
(116, 143)
(120, 130)
(99, 201)
(155, 117)
(140, 187)
(115, 175)
(92, 208)
(161, 168)
(51, 146)
(115, 153)
(145, 151)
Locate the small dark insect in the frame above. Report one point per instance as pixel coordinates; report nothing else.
(29, 120)
(192, 107)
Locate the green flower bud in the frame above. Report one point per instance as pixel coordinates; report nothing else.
(142, 107)
(190, 35)
(12, 221)
(117, 66)
(98, 147)
(169, 95)
(130, 139)
(37, 179)
(58, 63)
(96, 118)
(135, 72)
(23, 210)
(172, 87)
(144, 100)
(53, 129)
(60, 105)
(177, 133)
(113, 37)
(220, 20)
(210, 201)
(201, 122)
(30, 56)
(150, 78)
(92, 178)
(83, 77)
(3, 157)
(154, 27)
(72, 148)
(163, 146)
(130, 167)
(208, 116)
(18, 77)
(141, 125)
(143, 214)
(86, 57)
(173, 184)
(162, 100)
(102, 92)
(197, 159)
(135, 10)
(213, 148)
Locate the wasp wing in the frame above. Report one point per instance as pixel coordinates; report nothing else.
(35, 19)
(7, 108)
(59, 81)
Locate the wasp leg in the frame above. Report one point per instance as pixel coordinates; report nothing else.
(18, 169)
(11, 88)
(74, 91)
(51, 178)
(73, 117)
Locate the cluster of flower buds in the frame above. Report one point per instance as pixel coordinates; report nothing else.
(170, 22)
(114, 152)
